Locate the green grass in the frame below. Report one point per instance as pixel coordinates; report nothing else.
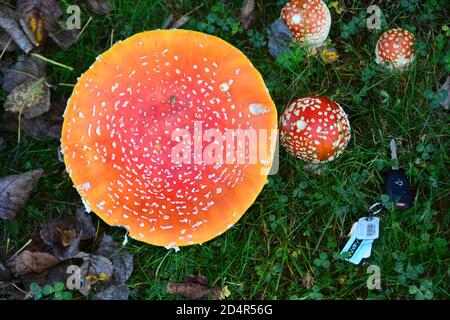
(299, 217)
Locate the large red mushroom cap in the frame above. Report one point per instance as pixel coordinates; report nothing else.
(314, 129)
(309, 21)
(131, 122)
(396, 47)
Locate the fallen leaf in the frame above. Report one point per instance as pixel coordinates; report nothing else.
(63, 236)
(30, 99)
(15, 191)
(42, 17)
(100, 7)
(94, 269)
(83, 222)
(27, 262)
(118, 292)
(11, 23)
(446, 86)
(248, 13)
(122, 260)
(7, 44)
(26, 68)
(171, 23)
(47, 126)
(180, 22)
(280, 37)
(43, 8)
(62, 37)
(194, 287)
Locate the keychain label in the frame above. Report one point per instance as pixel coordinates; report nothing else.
(368, 228)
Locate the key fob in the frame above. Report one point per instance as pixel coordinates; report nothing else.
(397, 187)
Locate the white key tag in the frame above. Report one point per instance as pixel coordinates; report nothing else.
(368, 228)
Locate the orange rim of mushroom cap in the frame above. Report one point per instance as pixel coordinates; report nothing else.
(308, 20)
(119, 127)
(314, 129)
(396, 46)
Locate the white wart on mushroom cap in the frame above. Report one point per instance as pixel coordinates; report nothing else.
(314, 129)
(308, 20)
(138, 105)
(395, 47)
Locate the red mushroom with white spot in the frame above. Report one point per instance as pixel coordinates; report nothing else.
(133, 118)
(396, 48)
(308, 20)
(314, 129)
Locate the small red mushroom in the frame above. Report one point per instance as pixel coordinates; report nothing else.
(137, 105)
(395, 47)
(308, 20)
(314, 129)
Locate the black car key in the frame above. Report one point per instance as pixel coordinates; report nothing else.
(396, 185)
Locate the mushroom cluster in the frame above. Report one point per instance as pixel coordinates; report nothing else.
(396, 48)
(144, 100)
(308, 20)
(314, 129)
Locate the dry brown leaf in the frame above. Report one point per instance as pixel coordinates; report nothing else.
(95, 269)
(194, 287)
(171, 23)
(62, 37)
(28, 262)
(15, 191)
(11, 23)
(248, 13)
(30, 99)
(42, 18)
(26, 68)
(63, 236)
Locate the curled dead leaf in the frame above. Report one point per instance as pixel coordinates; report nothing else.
(15, 191)
(63, 236)
(28, 262)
